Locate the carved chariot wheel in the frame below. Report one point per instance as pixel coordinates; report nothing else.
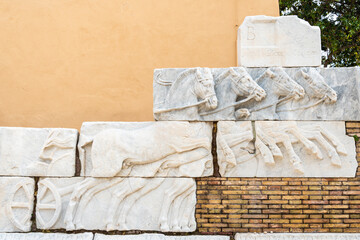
(46, 186)
(24, 224)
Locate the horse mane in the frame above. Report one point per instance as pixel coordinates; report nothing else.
(182, 75)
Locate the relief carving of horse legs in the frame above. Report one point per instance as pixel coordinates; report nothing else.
(117, 198)
(88, 196)
(146, 186)
(331, 152)
(309, 146)
(340, 148)
(75, 197)
(177, 189)
(294, 158)
(191, 144)
(177, 212)
(267, 147)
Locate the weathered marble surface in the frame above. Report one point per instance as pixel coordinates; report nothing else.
(265, 41)
(158, 237)
(157, 204)
(45, 236)
(16, 203)
(146, 149)
(262, 94)
(297, 236)
(285, 149)
(37, 151)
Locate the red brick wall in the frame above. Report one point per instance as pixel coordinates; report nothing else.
(231, 205)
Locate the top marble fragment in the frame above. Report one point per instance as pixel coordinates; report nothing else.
(37, 151)
(285, 41)
(146, 149)
(238, 93)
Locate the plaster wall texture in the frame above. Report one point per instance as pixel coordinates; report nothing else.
(95, 59)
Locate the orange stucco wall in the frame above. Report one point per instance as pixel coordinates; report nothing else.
(63, 62)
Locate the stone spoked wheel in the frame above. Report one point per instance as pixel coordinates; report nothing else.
(24, 224)
(45, 186)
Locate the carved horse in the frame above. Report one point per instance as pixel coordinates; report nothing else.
(125, 195)
(231, 85)
(116, 150)
(193, 88)
(269, 136)
(277, 82)
(317, 92)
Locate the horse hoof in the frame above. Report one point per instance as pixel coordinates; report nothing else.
(164, 228)
(70, 226)
(299, 167)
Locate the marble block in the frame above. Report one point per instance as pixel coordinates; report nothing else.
(275, 93)
(156, 204)
(297, 236)
(285, 149)
(146, 149)
(37, 151)
(286, 41)
(158, 237)
(45, 236)
(16, 203)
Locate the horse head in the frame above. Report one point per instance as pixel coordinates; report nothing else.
(284, 85)
(204, 87)
(245, 85)
(318, 88)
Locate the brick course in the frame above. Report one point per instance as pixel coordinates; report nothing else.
(231, 205)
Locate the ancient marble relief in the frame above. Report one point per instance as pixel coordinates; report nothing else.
(265, 41)
(45, 236)
(153, 236)
(258, 94)
(157, 204)
(285, 149)
(146, 149)
(297, 236)
(37, 151)
(16, 204)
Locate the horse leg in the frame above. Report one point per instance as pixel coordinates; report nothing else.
(75, 197)
(309, 146)
(294, 158)
(338, 145)
(169, 196)
(331, 152)
(88, 196)
(186, 215)
(117, 198)
(146, 186)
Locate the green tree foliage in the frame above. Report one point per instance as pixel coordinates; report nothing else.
(339, 21)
